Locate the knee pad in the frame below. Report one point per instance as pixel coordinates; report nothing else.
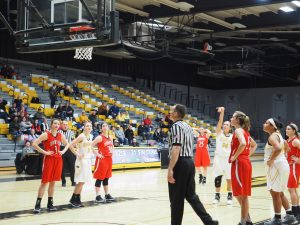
(98, 183)
(218, 181)
(105, 182)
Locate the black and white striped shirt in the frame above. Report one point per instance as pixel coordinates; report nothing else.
(69, 134)
(183, 135)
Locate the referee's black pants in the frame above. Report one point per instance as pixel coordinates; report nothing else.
(68, 162)
(184, 188)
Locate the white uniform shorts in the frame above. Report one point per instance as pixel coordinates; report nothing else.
(277, 176)
(222, 167)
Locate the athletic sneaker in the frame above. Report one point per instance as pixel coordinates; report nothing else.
(51, 208)
(78, 201)
(200, 178)
(274, 221)
(217, 198)
(99, 199)
(204, 180)
(37, 209)
(109, 198)
(289, 219)
(73, 202)
(229, 199)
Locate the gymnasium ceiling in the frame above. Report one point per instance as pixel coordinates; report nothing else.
(249, 38)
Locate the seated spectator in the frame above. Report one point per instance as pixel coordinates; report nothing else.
(18, 102)
(32, 136)
(127, 117)
(4, 115)
(13, 111)
(143, 131)
(114, 111)
(92, 117)
(23, 112)
(121, 118)
(148, 123)
(25, 126)
(157, 136)
(28, 149)
(66, 90)
(59, 112)
(111, 133)
(121, 136)
(44, 125)
(36, 127)
(39, 115)
(69, 111)
(135, 143)
(14, 128)
(129, 134)
(103, 109)
(116, 143)
(3, 103)
(83, 118)
(76, 92)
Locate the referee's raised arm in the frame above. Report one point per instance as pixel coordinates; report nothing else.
(181, 169)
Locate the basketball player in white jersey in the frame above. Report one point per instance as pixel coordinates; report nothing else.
(221, 166)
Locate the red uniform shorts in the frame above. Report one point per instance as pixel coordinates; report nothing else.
(202, 158)
(52, 168)
(293, 181)
(241, 176)
(103, 168)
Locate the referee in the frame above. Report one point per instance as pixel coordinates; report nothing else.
(181, 170)
(68, 158)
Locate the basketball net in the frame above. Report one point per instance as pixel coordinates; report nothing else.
(83, 53)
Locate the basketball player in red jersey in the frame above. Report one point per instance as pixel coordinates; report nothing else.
(242, 146)
(103, 164)
(202, 158)
(52, 166)
(292, 146)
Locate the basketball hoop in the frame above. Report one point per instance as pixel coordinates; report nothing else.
(83, 53)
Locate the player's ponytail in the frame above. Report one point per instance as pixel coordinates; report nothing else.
(244, 120)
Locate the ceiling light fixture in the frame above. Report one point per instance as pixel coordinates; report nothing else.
(297, 3)
(286, 9)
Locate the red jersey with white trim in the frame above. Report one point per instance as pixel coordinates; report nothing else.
(202, 143)
(294, 151)
(105, 147)
(53, 144)
(235, 145)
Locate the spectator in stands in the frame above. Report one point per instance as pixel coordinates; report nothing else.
(157, 135)
(112, 134)
(39, 115)
(4, 115)
(92, 117)
(53, 91)
(36, 127)
(3, 103)
(44, 125)
(13, 111)
(135, 143)
(129, 134)
(25, 126)
(143, 131)
(127, 117)
(14, 128)
(159, 117)
(67, 90)
(76, 91)
(23, 112)
(83, 118)
(18, 102)
(121, 136)
(69, 111)
(28, 149)
(59, 112)
(121, 118)
(116, 143)
(148, 123)
(114, 111)
(32, 136)
(103, 109)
